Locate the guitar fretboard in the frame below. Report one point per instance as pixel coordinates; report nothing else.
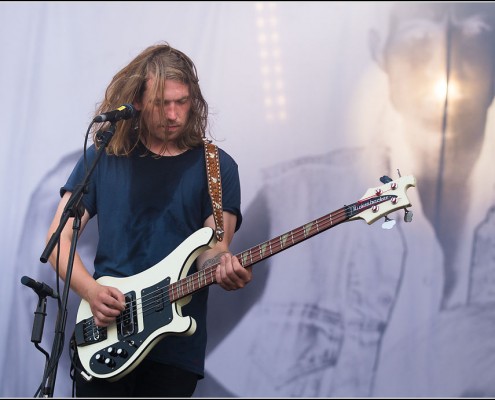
(201, 279)
(205, 277)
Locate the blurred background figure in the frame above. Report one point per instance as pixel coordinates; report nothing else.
(361, 311)
(440, 64)
(355, 311)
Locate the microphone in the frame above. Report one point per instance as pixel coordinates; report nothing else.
(125, 111)
(41, 288)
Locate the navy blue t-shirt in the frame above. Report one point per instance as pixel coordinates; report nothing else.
(146, 207)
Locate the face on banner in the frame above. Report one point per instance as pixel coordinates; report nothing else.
(440, 61)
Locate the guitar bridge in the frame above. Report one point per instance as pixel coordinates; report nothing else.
(127, 322)
(86, 332)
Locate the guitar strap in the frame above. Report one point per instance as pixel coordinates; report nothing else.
(214, 185)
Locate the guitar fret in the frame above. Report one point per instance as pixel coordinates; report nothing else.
(307, 229)
(200, 273)
(265, 245)
(283, 239)
(242, 258)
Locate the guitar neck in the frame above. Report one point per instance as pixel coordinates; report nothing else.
(206, 277)
(276, 245)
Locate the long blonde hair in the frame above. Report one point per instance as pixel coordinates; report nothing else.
(127, 86)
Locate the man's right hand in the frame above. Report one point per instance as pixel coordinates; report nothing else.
(106, 303)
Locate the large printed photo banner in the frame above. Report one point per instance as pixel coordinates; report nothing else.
(316, 102)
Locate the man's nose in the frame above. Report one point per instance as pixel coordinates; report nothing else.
(171, 112)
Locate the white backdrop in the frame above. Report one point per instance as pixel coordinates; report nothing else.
(283, 81)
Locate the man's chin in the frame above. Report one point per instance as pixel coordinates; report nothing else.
(171, 135)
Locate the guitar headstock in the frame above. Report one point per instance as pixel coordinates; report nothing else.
(380, 201)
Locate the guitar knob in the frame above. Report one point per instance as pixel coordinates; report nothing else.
(111, 350)
(121, 353)
(109, 362)
(99, 358)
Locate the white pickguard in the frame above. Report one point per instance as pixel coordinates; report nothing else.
(175, 266)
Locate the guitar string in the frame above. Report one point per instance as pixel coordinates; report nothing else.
(178, 287)
(149, 302)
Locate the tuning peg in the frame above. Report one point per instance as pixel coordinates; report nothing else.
(385, 179)
(408, 215)
(388, 223)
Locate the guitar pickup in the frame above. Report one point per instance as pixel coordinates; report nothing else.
(86, 332)
(127, 322)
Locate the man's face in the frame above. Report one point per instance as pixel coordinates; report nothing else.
(166, 113)
(429, 43)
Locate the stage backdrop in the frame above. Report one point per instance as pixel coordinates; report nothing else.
(316, 101)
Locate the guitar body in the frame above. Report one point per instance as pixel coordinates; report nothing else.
(150, 315)
(155, 297)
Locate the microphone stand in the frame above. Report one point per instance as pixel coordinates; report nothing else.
(73, 209)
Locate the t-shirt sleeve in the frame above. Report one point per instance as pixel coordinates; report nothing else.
(76, 179)
(231, 186)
